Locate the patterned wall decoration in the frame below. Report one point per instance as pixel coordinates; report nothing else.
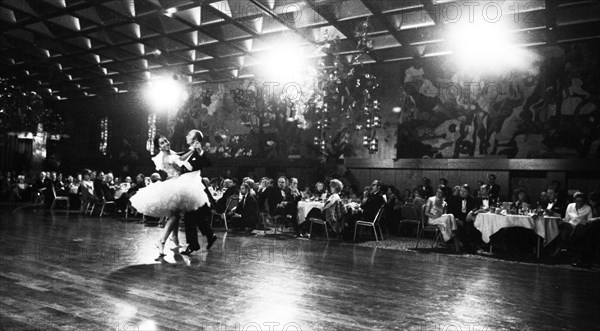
(552, 111)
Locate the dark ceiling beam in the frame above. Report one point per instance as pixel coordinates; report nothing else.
(282, 21)
(401, 38)
(332, 21)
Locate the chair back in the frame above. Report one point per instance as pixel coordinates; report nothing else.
(379, 214)
(409, 212)
(232, 202)
(53, 191)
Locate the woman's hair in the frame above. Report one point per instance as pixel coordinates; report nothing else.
(198, 135)
(578, 194)
(444, 189)
(157, 141)
(336, 185)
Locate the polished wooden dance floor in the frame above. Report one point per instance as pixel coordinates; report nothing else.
(82, 273)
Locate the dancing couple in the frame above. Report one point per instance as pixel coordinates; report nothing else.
(182, 193)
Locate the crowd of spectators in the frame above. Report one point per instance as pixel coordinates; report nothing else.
(263, 202)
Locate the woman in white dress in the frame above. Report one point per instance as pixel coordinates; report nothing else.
(435, 210)
(171, 198)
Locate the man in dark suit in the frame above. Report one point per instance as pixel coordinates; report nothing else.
(230, 190)
(283, 203)
(196, 160)
(554, 206)
(486, 200)
(246, 212)
(373, 203)
(494, 188)
(462, 209)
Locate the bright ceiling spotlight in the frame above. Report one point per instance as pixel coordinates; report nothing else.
(487, 48)
(166, 93)
(284, 62)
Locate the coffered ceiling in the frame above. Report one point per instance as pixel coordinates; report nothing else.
(76, 48)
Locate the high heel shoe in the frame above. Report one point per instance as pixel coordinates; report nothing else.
(161, 248)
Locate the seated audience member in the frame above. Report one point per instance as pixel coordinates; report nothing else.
(365, 194)
(231, 189)
(407, 196)
(392, 207)
(426, 188)
(464, 210)
(246, 212)
(123, 201)
(443, 181)
(265, 185)
(486, 200)
(334, 209)
(319, 192)
(452, 197)
(494, 188)
(419, 201)
(103, 191)
(122, 188)
(214, 188)
(283, 202)
(43, 186)
(436, 211)
(251, 186)
(294, 188)
(374, 201)
(519, 200)
(353, 194)
(574, 225)
(589, 240)
(542, 200)
(554, 206)
(20, 192)
(72, 191)
(87, 190)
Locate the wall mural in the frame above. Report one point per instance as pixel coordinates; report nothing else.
(549, 112)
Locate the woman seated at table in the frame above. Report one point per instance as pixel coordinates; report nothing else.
(588, 243)
(319, 192)
(333, 210)
(435, 210)
(519, 200)
(574, 226)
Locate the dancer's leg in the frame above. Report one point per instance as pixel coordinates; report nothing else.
(171, 227)
(191, 232)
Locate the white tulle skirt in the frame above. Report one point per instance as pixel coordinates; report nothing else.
(181, 194)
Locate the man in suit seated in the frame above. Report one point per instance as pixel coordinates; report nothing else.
(463, 210)
(369, 208)
(246, 212)
(230, 190)
(283, 203)
(374, 202)
(555, 206)
(486, 200)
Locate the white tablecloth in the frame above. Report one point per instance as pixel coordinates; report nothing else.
(489, 223)
(305, 206)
